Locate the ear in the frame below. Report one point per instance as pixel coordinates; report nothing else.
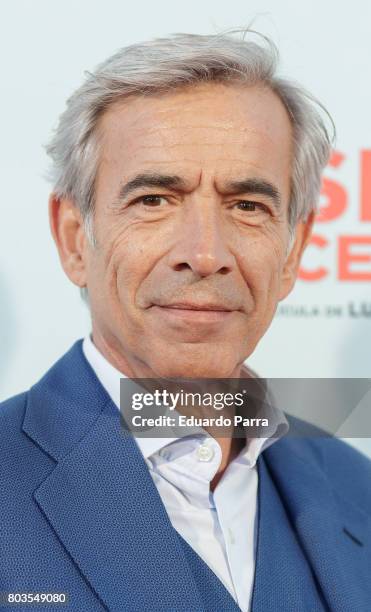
(67, 228)
(303, 231)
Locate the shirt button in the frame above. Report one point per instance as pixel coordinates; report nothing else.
(205, 453)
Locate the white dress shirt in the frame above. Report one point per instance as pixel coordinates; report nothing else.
(220, 526)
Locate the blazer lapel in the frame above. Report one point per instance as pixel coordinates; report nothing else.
(333, 532)
(283, 578)
(100, 498)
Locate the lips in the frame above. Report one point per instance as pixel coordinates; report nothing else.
(180, 314)
(194, 306)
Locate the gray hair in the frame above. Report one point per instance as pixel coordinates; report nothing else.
(165, 64)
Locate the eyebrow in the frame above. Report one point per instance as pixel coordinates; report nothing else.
(254, 185)
(172, 181)
(165, 181)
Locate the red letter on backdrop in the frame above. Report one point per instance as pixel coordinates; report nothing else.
(336, 195)
(365, 186)
(346, 258)
(321, 272)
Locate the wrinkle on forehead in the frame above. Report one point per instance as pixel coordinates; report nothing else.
(158, 113)
(213, 129)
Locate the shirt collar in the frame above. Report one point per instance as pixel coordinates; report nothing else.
(110, 377)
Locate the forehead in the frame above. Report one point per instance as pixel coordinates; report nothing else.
(213, 125)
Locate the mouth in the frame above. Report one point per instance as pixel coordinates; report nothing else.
(194, 312)
(194, 306)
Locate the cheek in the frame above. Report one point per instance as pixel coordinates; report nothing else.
(130, 257)
(261, 261)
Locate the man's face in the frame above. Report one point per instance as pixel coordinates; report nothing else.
(191, 224)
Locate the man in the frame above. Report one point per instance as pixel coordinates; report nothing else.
(186, 176)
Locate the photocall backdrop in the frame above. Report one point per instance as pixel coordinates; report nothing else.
(323, 329)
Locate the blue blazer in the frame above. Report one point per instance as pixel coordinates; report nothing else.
(79, 513)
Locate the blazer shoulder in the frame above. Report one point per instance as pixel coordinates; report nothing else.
(339, 453)
(23, 465)
(12, 413)
(348, 469)
(332, 453)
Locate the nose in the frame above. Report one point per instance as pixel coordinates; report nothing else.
(202, 242)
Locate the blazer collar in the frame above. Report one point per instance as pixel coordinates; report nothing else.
(64, 404)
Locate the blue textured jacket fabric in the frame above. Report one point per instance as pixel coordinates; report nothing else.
(80, 514)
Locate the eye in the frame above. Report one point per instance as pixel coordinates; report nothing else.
(249, 205)
(151, 200)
